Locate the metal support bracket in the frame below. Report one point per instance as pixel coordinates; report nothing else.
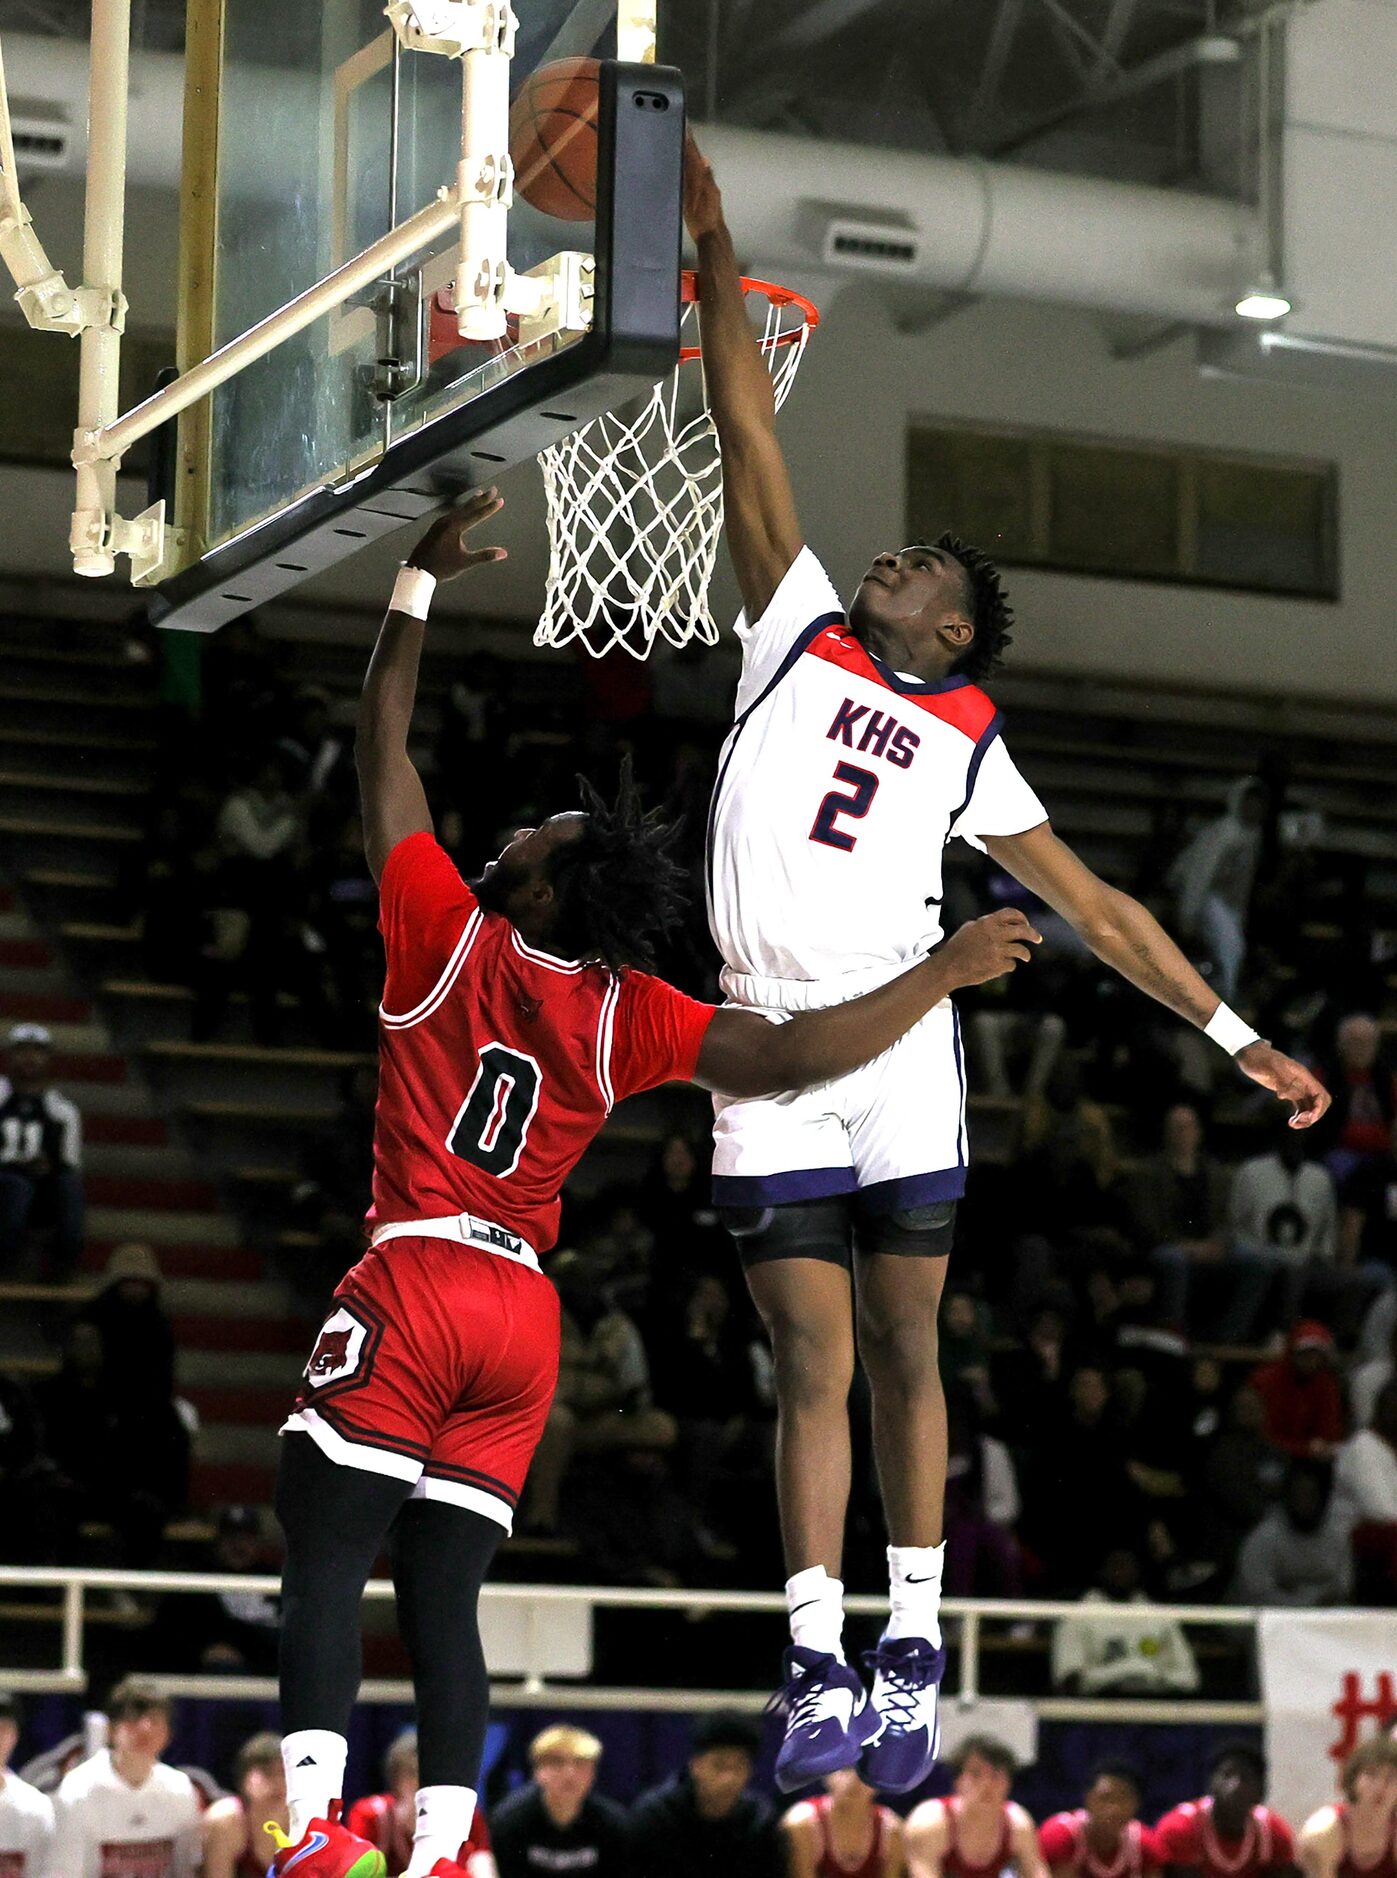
(454, 27)
(556, 296)
(145, 539)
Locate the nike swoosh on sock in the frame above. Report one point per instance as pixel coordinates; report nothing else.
(309, 1761)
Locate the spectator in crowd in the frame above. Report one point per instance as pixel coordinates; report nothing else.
(843, 1833)
(706, 1380)
(388, 1820)
(1284, 1201)
(557, 1823)
(1370, 1378)
(27, 1479)
(1119, 1654)
(1180, 1212)
(964, 1345)
(977, 1827)
(1075, 1464)
(1358, 1835)
(1298, 1554)
(40, 1156)
(138, 1378)
(260, 830)
(675, 1202)
(1230, 1830)
(1365, 1481)
(706, 1819)
(315, 753)
(1360, 1078)
(1302, 1395)
(232, 1633)
(1102, 1838)
(982, 1507)
(235, 1845)
(26, 1815)
(1243, 1474)
(125, 1795)
(1368, 1219)
(1212, 882)
(603, 1401)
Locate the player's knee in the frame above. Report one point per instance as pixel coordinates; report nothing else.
(813, 1359)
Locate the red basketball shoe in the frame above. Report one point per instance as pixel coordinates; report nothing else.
(326, 1850)
(445, 1869)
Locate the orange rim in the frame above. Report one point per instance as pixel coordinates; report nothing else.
(774, 296)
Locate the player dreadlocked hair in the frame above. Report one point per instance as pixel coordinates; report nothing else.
(990, 613)
(618, 887)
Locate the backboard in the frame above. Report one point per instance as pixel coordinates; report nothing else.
(310, 133)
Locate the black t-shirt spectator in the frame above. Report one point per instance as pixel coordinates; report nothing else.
(669, 1836)
(1371, 1189)
(527, 1843)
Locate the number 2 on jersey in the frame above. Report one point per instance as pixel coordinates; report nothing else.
(855, 806)
(493, 1123)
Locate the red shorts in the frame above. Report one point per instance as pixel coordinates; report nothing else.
(436, 1366)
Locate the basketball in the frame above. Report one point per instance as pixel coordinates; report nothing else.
(553, 139)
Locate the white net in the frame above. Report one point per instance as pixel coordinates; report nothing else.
(635, 502)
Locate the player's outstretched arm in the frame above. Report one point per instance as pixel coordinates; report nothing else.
(393, 800)
(758, 504)
(745, 1054)
(1124, 935)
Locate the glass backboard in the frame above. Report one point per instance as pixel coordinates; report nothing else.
(310, 133)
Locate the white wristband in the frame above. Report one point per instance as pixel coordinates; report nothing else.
(412, 592)
(1233, 1033)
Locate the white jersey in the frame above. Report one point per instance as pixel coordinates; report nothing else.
(839, 786)
(107, 1829)
(26, 1829)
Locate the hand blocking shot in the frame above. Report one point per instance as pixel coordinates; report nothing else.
(519, 1008)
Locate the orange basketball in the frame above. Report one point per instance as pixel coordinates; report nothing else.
(553, 139)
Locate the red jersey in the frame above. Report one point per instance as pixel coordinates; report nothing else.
(376, 1819)
(1188, 1836)
(871, 1865)
(1063, 1841)
(955, 1861)
(1383, 1866)
(498, 1063)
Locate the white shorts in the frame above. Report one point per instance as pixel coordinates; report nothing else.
(892, 1132)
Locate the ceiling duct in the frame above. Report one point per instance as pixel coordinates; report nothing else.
(946, 224)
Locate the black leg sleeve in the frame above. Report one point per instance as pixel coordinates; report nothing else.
(336, 1520)
(441, 1554)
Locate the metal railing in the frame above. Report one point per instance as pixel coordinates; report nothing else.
(534, 1689)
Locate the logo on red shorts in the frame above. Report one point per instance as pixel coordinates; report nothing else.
(341, 1349)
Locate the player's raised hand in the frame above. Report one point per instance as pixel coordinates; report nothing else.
(443, 551)
(987, 948)
(1289, 1080)
(703, 204)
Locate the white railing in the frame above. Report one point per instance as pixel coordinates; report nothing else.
(534, 1689)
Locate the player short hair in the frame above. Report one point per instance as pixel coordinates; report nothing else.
(1378, 1751)
(135, 1696)
(1124, 1771)
(985, 1748)
(401, 1750)
(564, 1742)
(726, 1728)
(618, 887)
(262, 1750)
(990, 612)
(1245, 1751)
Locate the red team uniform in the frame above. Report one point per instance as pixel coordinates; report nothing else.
(1063, 1841)
(1187, 1836)
(1383, 1866)
(830, 1866)
(375, 1818)
(955, 1861)
(498, 1064)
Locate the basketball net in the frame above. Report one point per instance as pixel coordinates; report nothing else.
(635, 503)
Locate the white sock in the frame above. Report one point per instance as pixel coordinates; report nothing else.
(314, 1760)
(444, 1816)
(914, 1583)
(816, 1605)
